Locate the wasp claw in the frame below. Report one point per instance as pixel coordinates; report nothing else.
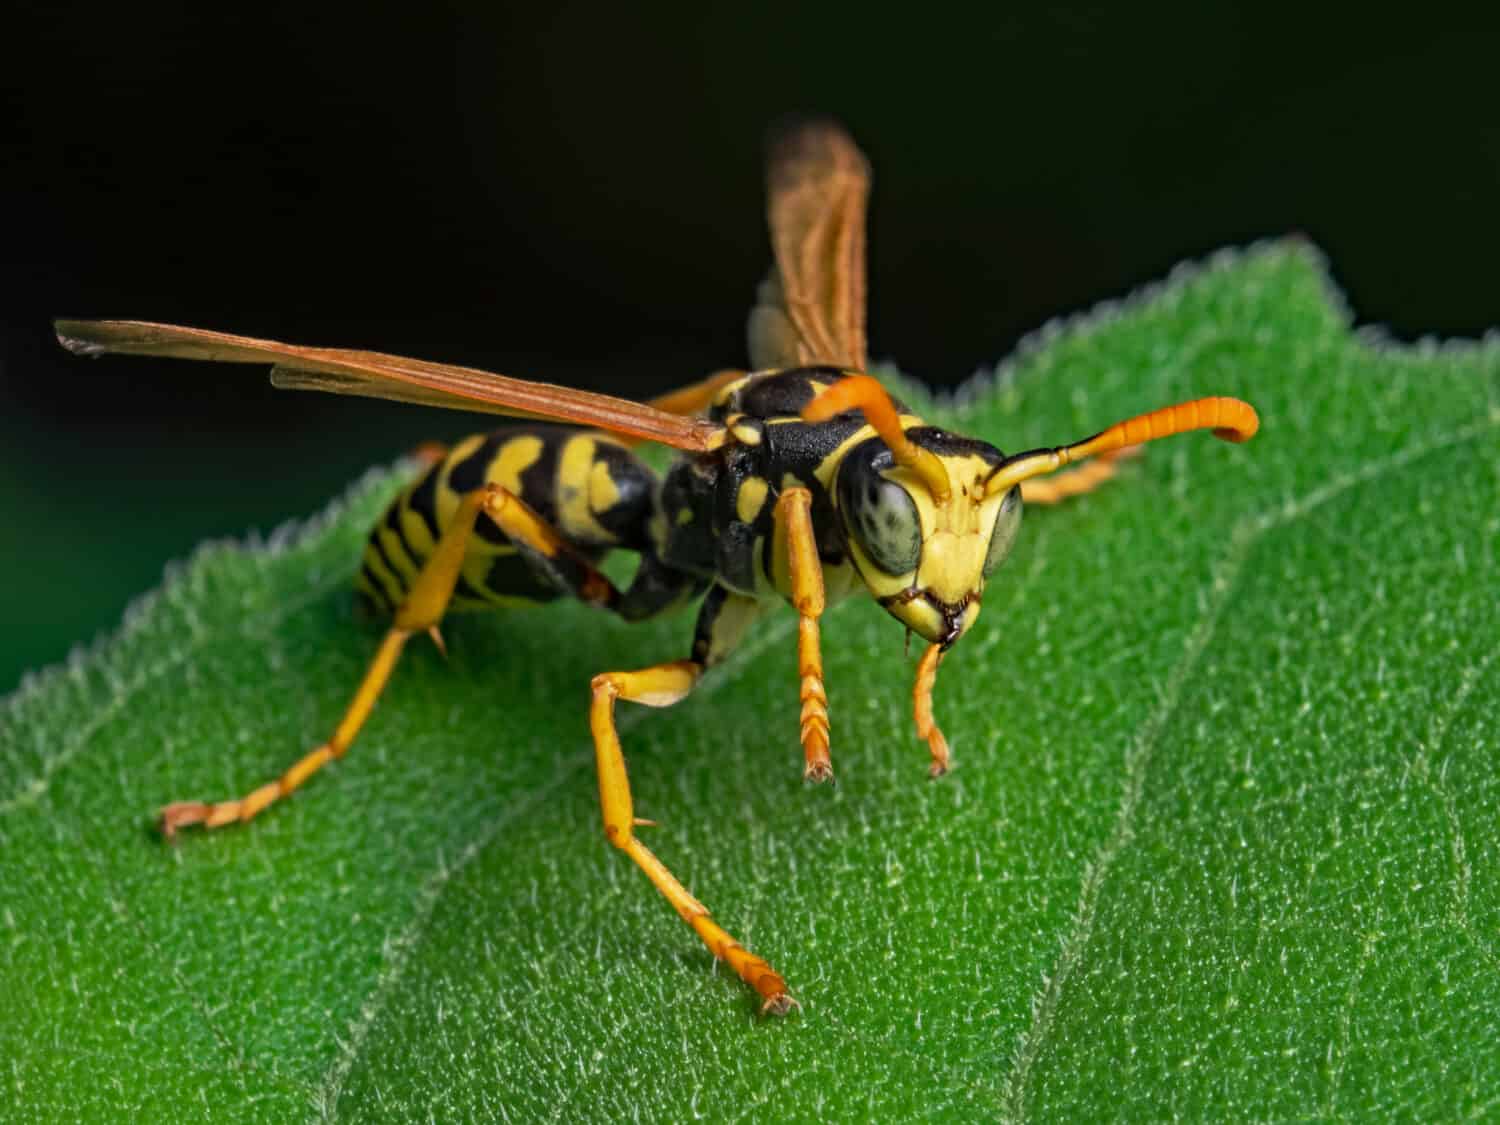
(180, 815)
(780, 1004)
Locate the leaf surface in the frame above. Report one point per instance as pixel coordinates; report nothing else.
(1220, 840)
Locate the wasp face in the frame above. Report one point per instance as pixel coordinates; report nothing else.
(923, 559)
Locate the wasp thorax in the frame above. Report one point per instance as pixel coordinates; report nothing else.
(925, 558)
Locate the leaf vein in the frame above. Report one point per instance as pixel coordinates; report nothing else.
(1437, 781)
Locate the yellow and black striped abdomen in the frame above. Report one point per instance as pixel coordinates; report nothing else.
(586, 484)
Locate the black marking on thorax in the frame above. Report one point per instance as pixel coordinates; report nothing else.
(777, 394)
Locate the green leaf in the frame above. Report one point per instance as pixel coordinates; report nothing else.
(1220, 841)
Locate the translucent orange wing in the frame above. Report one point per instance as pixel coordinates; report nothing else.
(812, 307)
(376, 375)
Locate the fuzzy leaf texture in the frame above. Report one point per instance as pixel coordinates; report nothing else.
(1221, 840)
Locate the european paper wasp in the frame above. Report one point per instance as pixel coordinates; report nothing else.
(801, 481)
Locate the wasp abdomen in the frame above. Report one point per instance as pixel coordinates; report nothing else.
(584, 483)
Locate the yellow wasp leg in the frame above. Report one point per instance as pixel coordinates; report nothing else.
(794, 514)
(421, 611)
(662, 686)
(1076, 481)
(921, 698)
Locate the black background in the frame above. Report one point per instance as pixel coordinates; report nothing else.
(574, 193)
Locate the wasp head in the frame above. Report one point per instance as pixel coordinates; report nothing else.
(929, 516)
(924, 544)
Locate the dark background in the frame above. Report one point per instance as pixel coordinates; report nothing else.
(574, 194)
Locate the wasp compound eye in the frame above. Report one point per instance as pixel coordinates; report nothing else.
(1007, 527)
(879, 513)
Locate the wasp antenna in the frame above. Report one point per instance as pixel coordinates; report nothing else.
(864, 393)
(1229, 419)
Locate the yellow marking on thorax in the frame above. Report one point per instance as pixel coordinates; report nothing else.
(729, 390)
(746, 432)
(829, 466)
(751, 499)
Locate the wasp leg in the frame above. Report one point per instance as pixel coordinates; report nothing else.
(921, 698)
(1076, 481)
(662, 686)
(420, 611)
(794, 518)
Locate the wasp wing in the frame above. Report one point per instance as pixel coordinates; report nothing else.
(376, 375)
(692, 399)
(812, 307)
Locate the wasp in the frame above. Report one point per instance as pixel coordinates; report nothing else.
(800, 480)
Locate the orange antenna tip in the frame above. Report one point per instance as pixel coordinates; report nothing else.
(864, 393)
(1229, 419)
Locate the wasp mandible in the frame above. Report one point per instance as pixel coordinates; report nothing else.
(801, 481)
